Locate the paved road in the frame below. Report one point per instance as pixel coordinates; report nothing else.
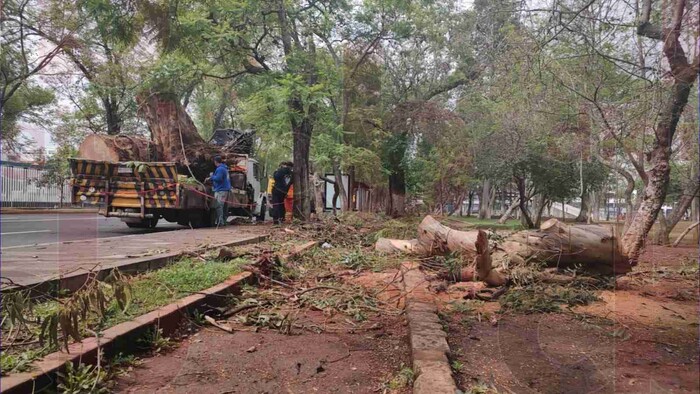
(30, 229)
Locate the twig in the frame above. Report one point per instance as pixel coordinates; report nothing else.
(298, 294)
(223, 327)
(240, 308)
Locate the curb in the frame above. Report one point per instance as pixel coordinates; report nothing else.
(429, 348)
(31, 211)
(120, 337)
(75, 281)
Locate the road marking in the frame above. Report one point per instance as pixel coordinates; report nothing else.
(26, 232)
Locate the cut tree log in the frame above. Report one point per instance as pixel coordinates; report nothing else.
(392, 246)
(435, 238)
(118, 148)
(594, 248)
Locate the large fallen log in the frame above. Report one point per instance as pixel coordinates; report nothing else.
(435, 238)
(118, 148)
(593, 248)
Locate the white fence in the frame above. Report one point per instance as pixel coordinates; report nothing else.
(20, 187)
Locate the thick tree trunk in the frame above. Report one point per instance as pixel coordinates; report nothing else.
(594, 248)
(684, 73)
(396, 203)
(118, 148)
(583, 213)
(654, 192)
(176, 136)
(485, 200)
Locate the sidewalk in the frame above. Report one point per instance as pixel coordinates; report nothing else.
(37, 264)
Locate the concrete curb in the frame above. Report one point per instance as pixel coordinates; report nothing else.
(120, 338)
(76, 280)
(429, 348)
(30, 211)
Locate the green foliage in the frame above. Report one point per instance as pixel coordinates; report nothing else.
(28, 105)
(155, 341)
(403, 379)
(82, 378)
(542, 299)
(22, 362)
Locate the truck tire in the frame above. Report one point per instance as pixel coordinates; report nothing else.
(145, 223)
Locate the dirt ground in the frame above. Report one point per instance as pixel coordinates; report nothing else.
(213, 361)
(640, 337)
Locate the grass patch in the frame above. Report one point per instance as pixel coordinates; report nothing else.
(148, 291)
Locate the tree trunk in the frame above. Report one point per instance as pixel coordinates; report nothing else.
(118, 148)
(509, 211)
(484, 200)
(301, 145)
(176, 136)
(654, 192)
(341, 187)
(112, 117)
(469, 204)
(525, 216)
(593, 247)
(684, 233)
(396, 203)
(318, 194)
(684, 74)
(539, 208)
(583, 213)
(437, 239)
(666, 226)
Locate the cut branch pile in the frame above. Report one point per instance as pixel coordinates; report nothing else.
(593, 248)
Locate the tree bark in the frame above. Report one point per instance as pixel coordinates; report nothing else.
(684, 74)
(340, 186)
(469, 204)
(666, 226)
(509, 211)
(176, 136)
(594, 248)
(484, 200)
(583, 213)
(396, 202)
(525, 215)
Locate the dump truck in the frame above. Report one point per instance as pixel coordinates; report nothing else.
(142, 193)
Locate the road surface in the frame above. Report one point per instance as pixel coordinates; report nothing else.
(22, 230)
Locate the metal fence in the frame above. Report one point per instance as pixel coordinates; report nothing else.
(20, 187)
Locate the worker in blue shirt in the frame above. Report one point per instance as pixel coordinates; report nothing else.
(222, 186)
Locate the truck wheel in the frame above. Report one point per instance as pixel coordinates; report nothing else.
(145, 223)
(263, 209)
